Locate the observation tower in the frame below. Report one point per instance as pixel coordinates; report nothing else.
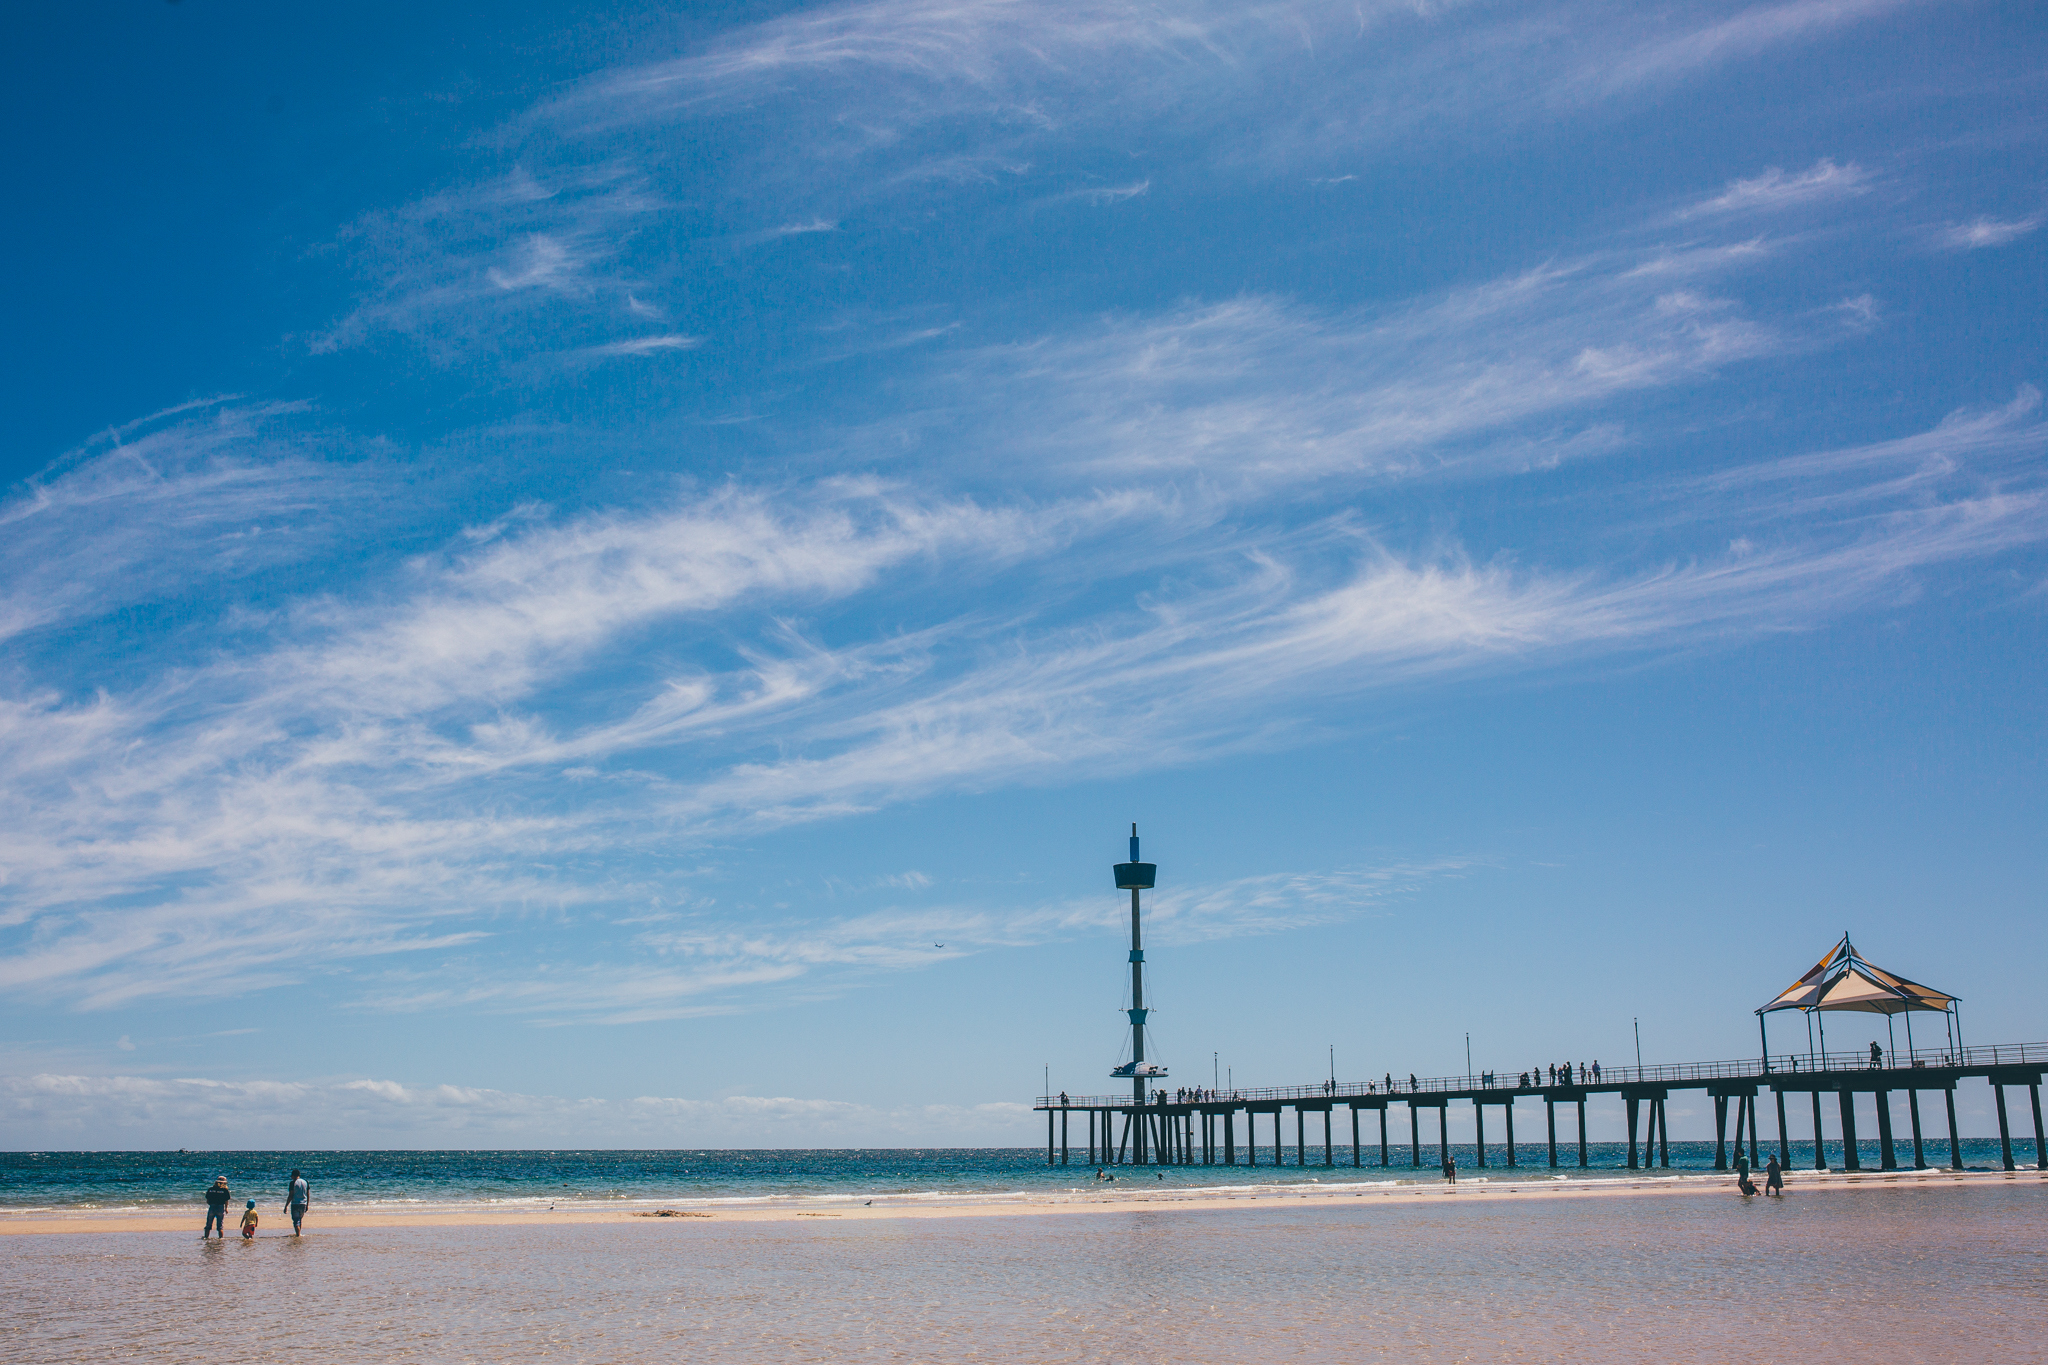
(1135, 876)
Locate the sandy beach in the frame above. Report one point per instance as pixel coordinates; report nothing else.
(1128, 1194)
(1937, 1266)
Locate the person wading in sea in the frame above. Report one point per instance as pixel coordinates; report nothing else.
(1774, 1178)
(217, 1196)
(1450, 1168)
(296, 1197)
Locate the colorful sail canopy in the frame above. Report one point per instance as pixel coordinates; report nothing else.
(1842, 980)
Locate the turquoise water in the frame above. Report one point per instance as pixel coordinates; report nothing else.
(149, 1180)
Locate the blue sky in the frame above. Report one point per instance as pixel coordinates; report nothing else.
(550, 559)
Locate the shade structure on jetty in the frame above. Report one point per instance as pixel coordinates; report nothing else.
(1201, 1126)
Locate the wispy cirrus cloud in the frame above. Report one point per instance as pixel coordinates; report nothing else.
(417, 772)
(1775, 189)
(1986, 231)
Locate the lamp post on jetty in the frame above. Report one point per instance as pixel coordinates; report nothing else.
(1134, 877)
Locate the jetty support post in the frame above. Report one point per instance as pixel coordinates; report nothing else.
(1913, 1112)
(1784, 1138)
(1632, 1103)
(1755, 1148)
(1415, 1134)
(1065, 1114)
(1955, 1144)
(2004, 1129)
(1550, 1126)
(1479, 1131)
(1357, 1159)
(1852, 1160)
(1329, 1146)
(2040, 1138)
(1820, 1156)
(1720, 1132)
(1383, 1135)
(1300, 1137)
(1230, 1137)
(1887, 1158)
(1049, 1152)
(1443, 1130)
(1582, 1132)
(1510, 1107)
(1663, 1135)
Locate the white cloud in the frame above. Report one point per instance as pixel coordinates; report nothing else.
(1774, 190)
(1753, 30)
(1986, 232)
(647, 345)
(1259, 390)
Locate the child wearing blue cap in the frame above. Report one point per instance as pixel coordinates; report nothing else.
(249, 1220)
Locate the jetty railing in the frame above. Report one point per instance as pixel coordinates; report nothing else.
(1510, 1083)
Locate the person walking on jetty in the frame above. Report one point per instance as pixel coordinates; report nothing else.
(296, 1197)
(1774, 1178)
(217, 1196)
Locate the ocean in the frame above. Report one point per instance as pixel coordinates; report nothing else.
(102, 1182)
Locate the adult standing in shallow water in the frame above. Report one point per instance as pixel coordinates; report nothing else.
(296, 1197)
(217, 1196)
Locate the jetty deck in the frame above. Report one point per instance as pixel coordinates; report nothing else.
(1201, 1126)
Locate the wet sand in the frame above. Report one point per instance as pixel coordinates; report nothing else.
(1913, 1267)
(1129, 1193)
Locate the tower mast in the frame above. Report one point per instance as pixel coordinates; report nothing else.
(1136, 876)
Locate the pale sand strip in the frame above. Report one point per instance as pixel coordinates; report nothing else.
(1801, 1183)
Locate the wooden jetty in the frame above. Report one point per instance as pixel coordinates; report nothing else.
(1212, 1128)
(1192, 1126)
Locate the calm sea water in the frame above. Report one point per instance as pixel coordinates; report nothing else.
(81, 1181)
(1913, 1272)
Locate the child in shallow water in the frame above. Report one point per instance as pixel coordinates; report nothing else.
(249, 1220)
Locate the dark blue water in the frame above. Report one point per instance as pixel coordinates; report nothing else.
(81, 1181)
